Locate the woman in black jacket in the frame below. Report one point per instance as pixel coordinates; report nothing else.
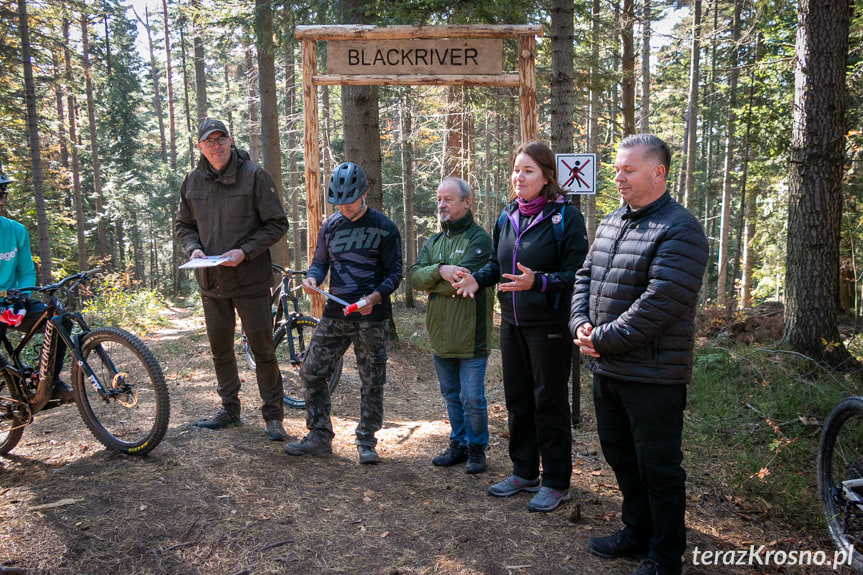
(540, 242)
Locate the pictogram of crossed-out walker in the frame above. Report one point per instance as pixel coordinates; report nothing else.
(575, 174)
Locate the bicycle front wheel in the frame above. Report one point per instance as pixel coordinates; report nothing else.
(11, 427)
(301, 334)
(131, 414)
(840, 479)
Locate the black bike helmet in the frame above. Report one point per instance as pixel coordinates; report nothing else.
(347, 184)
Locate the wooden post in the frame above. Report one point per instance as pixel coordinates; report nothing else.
(527, 86)
(312, 159)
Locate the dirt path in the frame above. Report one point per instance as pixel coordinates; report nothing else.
(231, 502)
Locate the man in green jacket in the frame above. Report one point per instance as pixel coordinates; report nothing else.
(460, 329)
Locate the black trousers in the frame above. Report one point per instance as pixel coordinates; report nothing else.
(536, 363)
(256, 315)
(640, 427)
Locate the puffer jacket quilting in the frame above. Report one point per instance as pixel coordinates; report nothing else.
(638, 288)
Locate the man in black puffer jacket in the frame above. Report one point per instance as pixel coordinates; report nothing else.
(633, 312)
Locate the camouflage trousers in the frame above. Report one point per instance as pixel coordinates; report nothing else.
(330, 341)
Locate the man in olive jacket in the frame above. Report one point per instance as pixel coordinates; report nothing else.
(229, 207)
(633, 313)
(460, 329)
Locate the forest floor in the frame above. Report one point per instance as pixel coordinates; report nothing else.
(231, 502)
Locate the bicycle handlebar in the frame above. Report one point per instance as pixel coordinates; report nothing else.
(78, 277)
(288, 271)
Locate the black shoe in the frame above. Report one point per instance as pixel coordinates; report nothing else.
(62, 392)
(311, 444)
(475, 459)
(275, 430)
(221, 420)
(454, 454)
(651, 567)
(618, 544)
(368, 454)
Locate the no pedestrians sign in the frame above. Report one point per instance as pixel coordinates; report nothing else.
(576, 173)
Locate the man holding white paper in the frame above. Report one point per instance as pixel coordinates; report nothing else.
(229, 216)
(361, 250)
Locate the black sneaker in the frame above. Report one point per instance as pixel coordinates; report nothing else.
(454, 454)
(62, 392)
(311, 444)
(221, 420)
(651, 567)
(475, 459)
(275, 430)
(368, 455)
(618, 544)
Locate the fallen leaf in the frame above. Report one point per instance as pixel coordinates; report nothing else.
(384, 534)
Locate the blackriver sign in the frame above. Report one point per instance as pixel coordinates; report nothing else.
(398, 57)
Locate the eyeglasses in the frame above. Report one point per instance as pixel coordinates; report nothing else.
(210, 142)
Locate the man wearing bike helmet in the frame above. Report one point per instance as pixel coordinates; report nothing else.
(229, 207)
(361, 249)
(17, 271)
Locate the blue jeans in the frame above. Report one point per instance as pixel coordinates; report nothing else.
(462, 384)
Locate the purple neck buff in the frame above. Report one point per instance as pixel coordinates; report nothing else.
(533, 207)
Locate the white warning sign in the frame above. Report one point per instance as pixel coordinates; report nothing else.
(576, 173)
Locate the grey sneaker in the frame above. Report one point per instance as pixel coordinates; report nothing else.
(220, 420)
(311, 444)
(512, 485)
(547, 500)
(275, 430)
(368, 454)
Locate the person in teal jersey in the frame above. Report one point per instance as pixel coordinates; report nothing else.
(17, 271)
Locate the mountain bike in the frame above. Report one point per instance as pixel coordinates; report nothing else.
(840, 478)
(118, 385)
(292, 332)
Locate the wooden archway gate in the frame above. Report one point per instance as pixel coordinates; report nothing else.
(310, 35)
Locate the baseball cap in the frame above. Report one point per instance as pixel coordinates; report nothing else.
(209, 126)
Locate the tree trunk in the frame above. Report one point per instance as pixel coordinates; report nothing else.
(270, 112)
(327, 155)
(746, 218)
(292, 142)
(815, 198)
(73, 148)
(562, 31)
(94, 145)
(593, 120)
(200, 73)
(172, 131)
(453, 152)
(157, 99)
(408, 191)
(730, 134)
(188, 109)
(561, 88)
(61, 122)
(644, 116)
(252, 104)
(627, 63)
(692, 107)
(35, 146)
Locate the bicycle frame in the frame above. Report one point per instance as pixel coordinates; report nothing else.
(284, 315)
(20, 371)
